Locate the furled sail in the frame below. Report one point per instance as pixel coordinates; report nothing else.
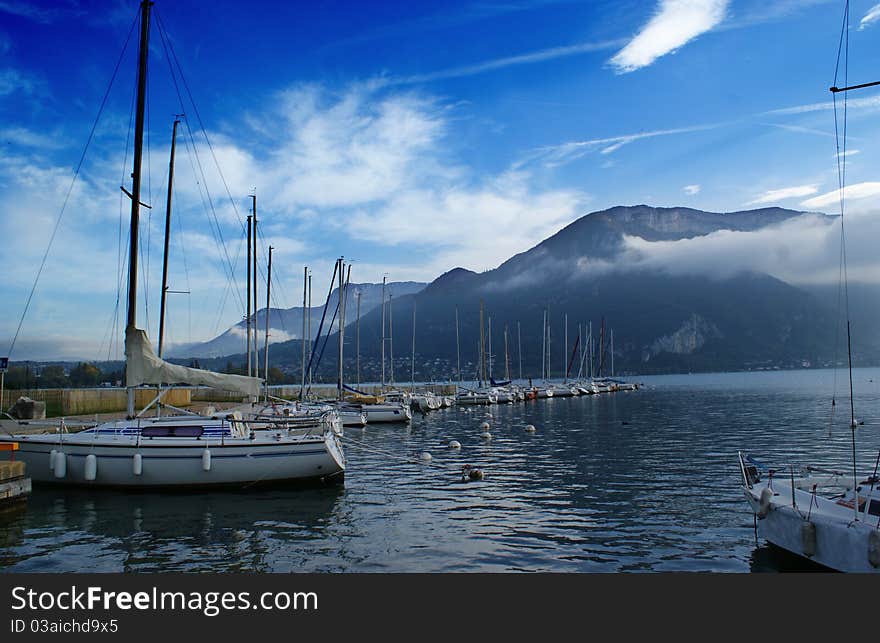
(143, 366)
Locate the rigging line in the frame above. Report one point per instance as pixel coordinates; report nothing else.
(70, 189)
(111, 331)
(166, 44)
(842, 289)
(199, 118)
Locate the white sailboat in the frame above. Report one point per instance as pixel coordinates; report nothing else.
(830, 517)
(177, 452)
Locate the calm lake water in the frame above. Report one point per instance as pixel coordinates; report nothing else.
(635, 481)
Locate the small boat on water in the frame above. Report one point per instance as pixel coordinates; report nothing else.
(822, 515)
(178, 452)
(828, 516)
(468, 397)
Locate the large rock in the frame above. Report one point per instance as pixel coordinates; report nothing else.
(27, 409)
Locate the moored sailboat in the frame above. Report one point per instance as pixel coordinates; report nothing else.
(177, 452)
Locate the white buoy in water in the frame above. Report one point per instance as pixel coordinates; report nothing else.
(486, 435)
(60, 469)
(137, 464)
(91, 467)
(426, 457)
(485, 426)
(530, 428)
(52, 455)
(454, 444)
(206, 459)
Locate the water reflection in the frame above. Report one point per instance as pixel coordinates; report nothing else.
(643, 481)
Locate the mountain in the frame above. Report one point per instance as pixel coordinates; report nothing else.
(286, 323)
(662, 321)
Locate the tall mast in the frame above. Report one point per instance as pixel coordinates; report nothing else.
(548, 343)
(482, 347)
(256, 305)
(309, 328)
(413, 367)
(457, 348)
(143, 51)
(266, 349)
(167, 238)
(544, 347)
(506, 357)
(591, 351)
(249, 301)
(391, 336)
(612, 351)
(565, 351)
(489, 353)
(306, 311)
(383, 332)
(343, 281)
(357, 340)
(519, 348)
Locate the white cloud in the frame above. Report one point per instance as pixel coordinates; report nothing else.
(774, 196)
(542, 55)
(855, 191)
(674, 24)
(869, 102)
(691, 189)
(365, 173)
(872, 16)
(555, 155)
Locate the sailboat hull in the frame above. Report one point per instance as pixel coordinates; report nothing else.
(236, 462)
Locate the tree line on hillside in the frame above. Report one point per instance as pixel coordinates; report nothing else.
(83, 375)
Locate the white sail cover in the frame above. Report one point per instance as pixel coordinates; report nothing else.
(143, 366)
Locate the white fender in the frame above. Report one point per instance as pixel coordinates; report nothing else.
(91, 467)
(764, 504)
(206, 459)
(137, 464)
(808, 538)
(60, 469)
(52, 455)
(874, 548)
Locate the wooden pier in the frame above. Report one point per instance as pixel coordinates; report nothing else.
(14, 484)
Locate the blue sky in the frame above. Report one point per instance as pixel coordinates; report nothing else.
(409, 137)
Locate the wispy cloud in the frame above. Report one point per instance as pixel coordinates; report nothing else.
(870, 18)
(12, 80)
(868, 102)
(855, 191)
(38, 14)
(27, 138)
(774, 196)
(674, 24)
(542, 55)
(555, 155)
(691, 189)
(801, 129)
